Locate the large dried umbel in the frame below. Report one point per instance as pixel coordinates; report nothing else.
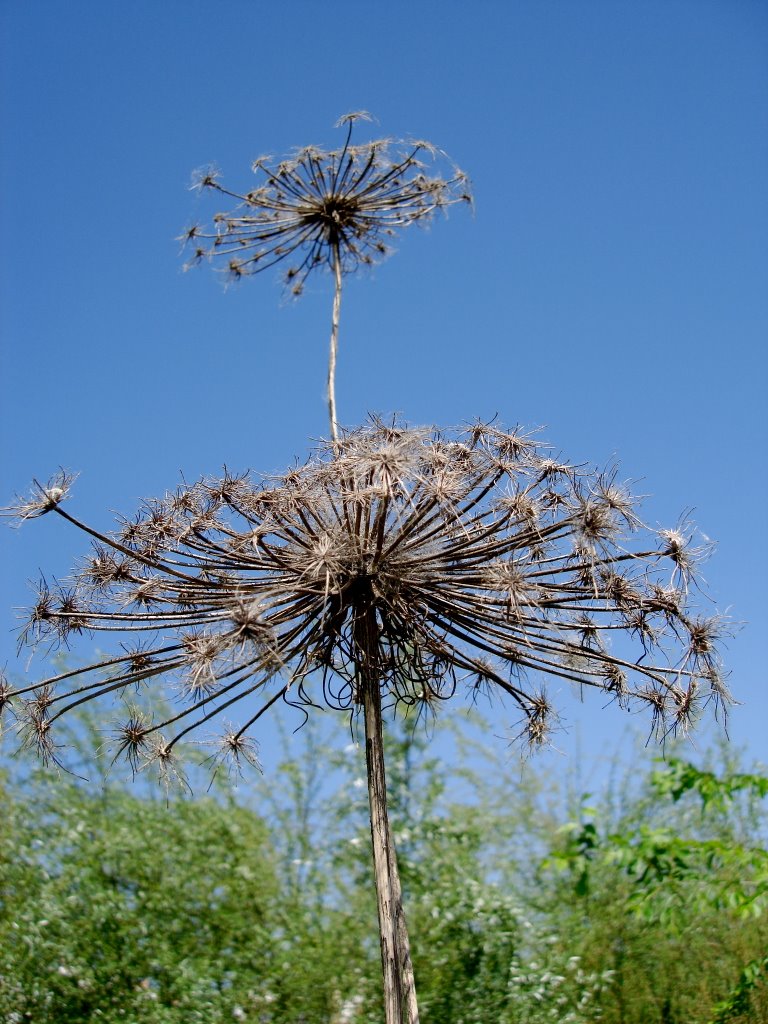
(335, 209)
(434, 562)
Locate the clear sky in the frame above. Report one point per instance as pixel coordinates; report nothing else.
(610, 286)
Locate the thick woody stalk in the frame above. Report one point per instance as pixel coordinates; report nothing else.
(399, 987)
(407, 980)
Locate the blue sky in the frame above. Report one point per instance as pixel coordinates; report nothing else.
(610, 286)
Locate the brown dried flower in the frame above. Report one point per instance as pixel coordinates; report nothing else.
(433, 562)
(43, 497)
(335, 209)
(322, 208)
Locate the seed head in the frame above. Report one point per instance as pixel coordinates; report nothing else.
(6, 702)
(318, 207)
(42, 498)
(441, 561)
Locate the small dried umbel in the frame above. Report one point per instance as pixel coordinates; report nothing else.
(322, 208)
(432, 562)
(336, 209)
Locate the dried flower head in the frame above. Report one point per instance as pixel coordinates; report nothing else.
(43, 497)
(335, 209)
(431, 561)
(234, 752)
(6, 702)
(326, 208)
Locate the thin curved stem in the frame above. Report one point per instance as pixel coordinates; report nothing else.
(334, 342)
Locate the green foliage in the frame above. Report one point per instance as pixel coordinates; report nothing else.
(669, 870)
(679, 777)
(738, 1003)
(117, 905)
(666, 900)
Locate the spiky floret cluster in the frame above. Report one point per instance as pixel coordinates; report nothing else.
(321, 207)
(436, 561)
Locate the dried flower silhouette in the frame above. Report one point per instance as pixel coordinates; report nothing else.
(396, 567)
(334, 209)
(415, 562)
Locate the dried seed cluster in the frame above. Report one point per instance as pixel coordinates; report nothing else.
(440, 561)
(323, 207)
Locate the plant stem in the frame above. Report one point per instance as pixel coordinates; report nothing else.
(334, 342)
(407, 980)
(399, 987)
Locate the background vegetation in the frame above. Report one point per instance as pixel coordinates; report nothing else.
(526, 903)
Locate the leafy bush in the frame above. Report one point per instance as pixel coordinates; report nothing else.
(119, 906)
